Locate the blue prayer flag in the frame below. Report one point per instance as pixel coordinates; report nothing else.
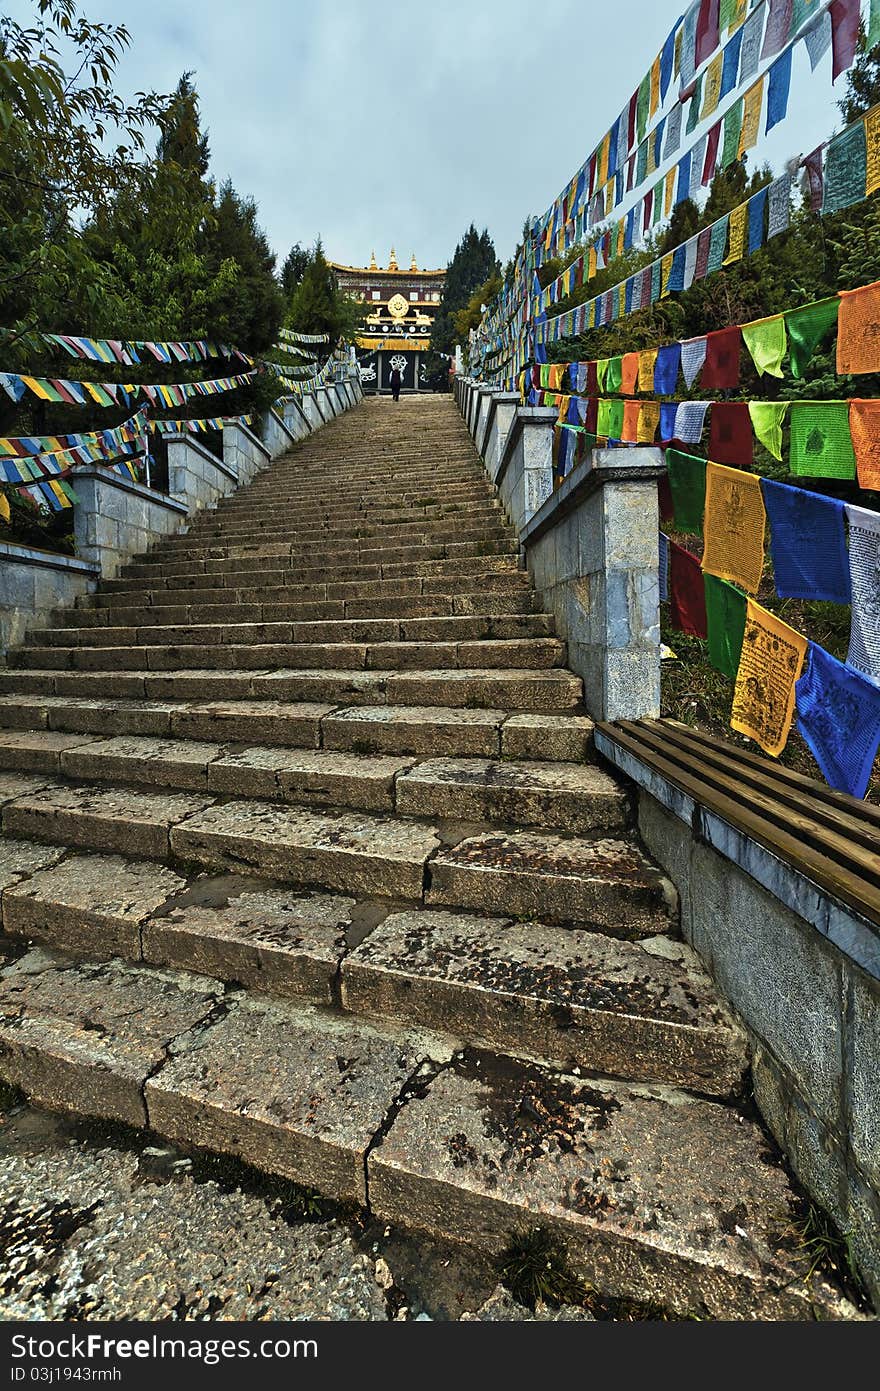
(668, 410)
(777, 90)
(683, 188)
(756, 219)
(667, 53)
(838, 714)
(666, 366)
(664, 568)
(730, 65)
(807, 543)
(676, 273)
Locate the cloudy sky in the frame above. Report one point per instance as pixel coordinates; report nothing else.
(377, 123)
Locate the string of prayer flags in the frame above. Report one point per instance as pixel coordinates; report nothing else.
(730, 433)
(734, 526)
(770, 664)
(864, 569)
(725, 621)
(846, 169)
(295, 337)
(690, 418)
(807, 543)
(687, 595)
(858, 330)
(838, 714)
(806, 327)
(820, 441)
(666, 369)
(687, 482)
(767, 418)
(864, 427)
(766, 341)
(721, 367)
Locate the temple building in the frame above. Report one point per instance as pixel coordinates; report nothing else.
(402, 305)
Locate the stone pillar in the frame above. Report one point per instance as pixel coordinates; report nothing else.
(535, 447)
(116, 518)
(481, 421)
(593, 551)
(500, 423)
(311, 411)
(196, 477)
(294, 418)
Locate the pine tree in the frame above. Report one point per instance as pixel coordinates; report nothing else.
(182, 141)
(473, 263)
(294, 268)
(250, 310)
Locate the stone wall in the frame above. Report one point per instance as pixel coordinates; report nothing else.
(32, 584)
(276, 436)
(244, 454)
(116, 518)
(197, 478)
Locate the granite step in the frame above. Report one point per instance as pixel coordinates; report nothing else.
(653, 1194)
(432, 730)
(308, 536)
(607, 884)
(245, 632)
(480, 654)
(553, 689)
(574, 797)
(449, 586)
(201, 578)
(272, 558)
(561, 996)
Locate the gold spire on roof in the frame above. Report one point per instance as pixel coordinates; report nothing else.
(414, 265)
(392, 264)
(373, 265)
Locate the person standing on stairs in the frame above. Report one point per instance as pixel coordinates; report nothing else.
(396, 383)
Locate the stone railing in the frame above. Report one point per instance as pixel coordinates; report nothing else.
(116, 518)
(591, 545)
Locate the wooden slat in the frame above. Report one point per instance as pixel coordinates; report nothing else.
(717, 755)
(841, 879)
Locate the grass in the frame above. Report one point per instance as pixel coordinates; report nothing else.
(534, 1270)
(828, 1252)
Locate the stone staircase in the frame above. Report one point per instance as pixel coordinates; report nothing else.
(306, 859)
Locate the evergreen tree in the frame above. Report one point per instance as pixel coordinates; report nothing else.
(473, 263)
(862, 81)
(182, 141)
(250, 309)
(294, 268)
(318, 306)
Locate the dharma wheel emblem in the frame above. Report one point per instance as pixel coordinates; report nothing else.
(397, 306)
(398, 361)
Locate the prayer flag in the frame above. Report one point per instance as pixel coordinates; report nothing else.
(693, 355)
(806, 328)
(767, 418)
(778, 26)
(807, 543)
(733, 124)
(821, 446)
(864, 569)
(751, 122)
(838, 714)
(733, 526)
(779, 201)
(690, 417)
(721, 368)
(844, 35)
(846, 169)
(730, 68)
(770, 664)
(717, 243)
(707, 37)
(725, 621)
(738, 222)
(766, 341)
(712, 88)
(649, 419)
(730, 433)
(687, 595)
(687, 483)
(647, 363)
(666, 369)
(712, 141)
(858, 334)
(777, 90)
(817, 38)
(750, 53)
(872, 154)
(864, 424)
(756, 206)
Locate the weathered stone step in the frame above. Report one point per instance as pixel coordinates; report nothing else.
(306, 539)
(365, 521)
(554, 689)
(653, 1195)
(531, 653)
(272, 558)
(443, 628)
(606, 884)
(394, 729)
(562, 996)
(312, 575)
(573, 797)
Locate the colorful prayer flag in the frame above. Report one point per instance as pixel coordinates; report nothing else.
(838, 714)
(687, 482)
(725, 622)
(807, 543)
(864, 569)
(733, 526)
(821, 446)
(858, 332)
(770, 664)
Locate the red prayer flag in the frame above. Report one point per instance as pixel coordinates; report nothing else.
(844, 35)
(630, 173)
(707, 30)
(664, 498)
(730, 433)
(703, 243)
(592, 386)
(592, 414)
(631, 119)
(648, 206)
(592, 174)
(687, 592)
(709, 163)
(812, 166)
(721, 368)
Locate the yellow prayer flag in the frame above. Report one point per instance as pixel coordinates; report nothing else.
(872, 141)
(712, 85)
(651, 163)
(733, 526)
(609, 197)
(5, 509)
(649, 419)
(563, 408)
(752, 103)
(676, 52)
(669, 189)
(770, 665)
(555, 375)
(665, 272)
(604, 151)
(621, 236)
(738, 18)
(655, 87)
(37, 388)
(591, 263)
(738, 224)
(647, 360)
(59, 493)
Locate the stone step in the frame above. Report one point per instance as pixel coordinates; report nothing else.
(393, 729)
(485, 655)
(574, 797)
(561, 996)
(271, 558)
(554, 689)
(367, 521)
(443, 628)
(308, 538)
(311, 575)
(651, 1193)
(605, 884)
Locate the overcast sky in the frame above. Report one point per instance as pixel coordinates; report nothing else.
(379, 122)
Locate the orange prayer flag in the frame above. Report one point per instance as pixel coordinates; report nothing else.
(630, 373)
(858, 330)
(770, 665)
(630, 432)
(864, 426)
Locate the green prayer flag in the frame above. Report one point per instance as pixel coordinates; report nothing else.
(615, 419)
(821, 444)
(732, 129)
(656, 281)
(693, 119)
(766, 341)
(642, 103)
(603, 417)
(601, 377)
(67, 490)
(874, 24)
(717, 243)
(687, 483)
(658, 202)
(806, 329)
(767, 418)
(846, 169)
(726, 14)
(614, 374)
(642, 162)
(725, 623)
